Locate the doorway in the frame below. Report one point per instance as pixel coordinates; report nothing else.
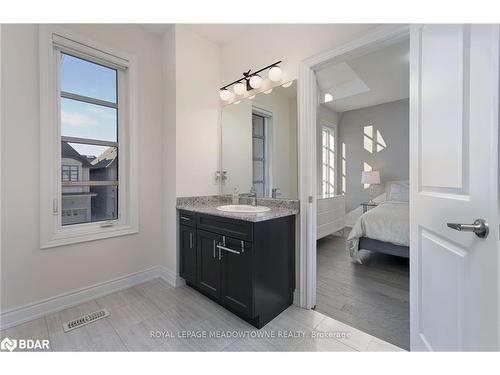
(313, 180)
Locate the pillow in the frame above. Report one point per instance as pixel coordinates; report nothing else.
(398, 191)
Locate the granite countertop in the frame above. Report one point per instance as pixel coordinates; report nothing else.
(208, 205)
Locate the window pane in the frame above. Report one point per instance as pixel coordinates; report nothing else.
(90, 121)
(93, 203)
(85, 78)
(258, 171)
(91, 163)
(258, 148)
(258, 125)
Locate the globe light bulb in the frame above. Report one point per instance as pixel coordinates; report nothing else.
(239, 88)
(225, 95)
(275, 74)
(255, 81)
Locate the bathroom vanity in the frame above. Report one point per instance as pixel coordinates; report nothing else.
(245, 262)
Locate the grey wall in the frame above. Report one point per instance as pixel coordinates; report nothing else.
(391, 120)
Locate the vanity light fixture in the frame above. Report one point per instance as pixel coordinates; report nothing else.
(251, 80)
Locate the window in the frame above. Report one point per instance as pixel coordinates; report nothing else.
(328, 160)
(259, 153)
(69, 173)
(88, 188)
(89, 128)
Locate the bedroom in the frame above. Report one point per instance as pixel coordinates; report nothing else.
(362, 206)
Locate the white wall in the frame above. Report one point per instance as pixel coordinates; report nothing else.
(291, 43)
(197, 113)
(391, 119)
(29, 274)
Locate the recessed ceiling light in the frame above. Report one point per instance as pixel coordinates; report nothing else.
(251, 97)
(237, 102)
(328, 98)
(288, 84)
(268, 91)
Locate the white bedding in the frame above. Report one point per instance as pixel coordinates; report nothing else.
(388, 222)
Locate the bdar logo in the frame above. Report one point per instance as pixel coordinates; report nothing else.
(8, 344)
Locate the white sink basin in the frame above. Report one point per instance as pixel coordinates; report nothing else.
(243, 208)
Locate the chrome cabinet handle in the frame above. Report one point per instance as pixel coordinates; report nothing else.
(190, 240)
(220, 247)
(214, 249)
(479, 228)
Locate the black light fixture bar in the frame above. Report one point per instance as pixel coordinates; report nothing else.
(247, 75)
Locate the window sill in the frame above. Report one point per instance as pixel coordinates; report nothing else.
(64, 238)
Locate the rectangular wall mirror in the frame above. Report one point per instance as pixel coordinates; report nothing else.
(259, 144)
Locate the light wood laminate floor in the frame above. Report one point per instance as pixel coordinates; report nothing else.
(372, 297)
(182, 312)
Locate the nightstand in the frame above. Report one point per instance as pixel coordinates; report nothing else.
(365, 206)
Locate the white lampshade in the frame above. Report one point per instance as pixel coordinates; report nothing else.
(239, 88)
(275, 74)
(255, 81)
(370, 177)
(225, 95)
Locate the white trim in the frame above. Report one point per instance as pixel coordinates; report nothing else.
(308, 117)
(52, 234)
(41, 308)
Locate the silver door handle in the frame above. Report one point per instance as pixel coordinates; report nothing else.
(228, 249)
(479, 227)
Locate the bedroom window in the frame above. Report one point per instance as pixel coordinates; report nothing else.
(88, 146)
(328, 160)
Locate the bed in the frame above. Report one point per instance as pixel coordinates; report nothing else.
(385, 228)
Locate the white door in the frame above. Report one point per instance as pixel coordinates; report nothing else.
(454, 179)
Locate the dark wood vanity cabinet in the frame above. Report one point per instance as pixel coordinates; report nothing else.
(247, 267)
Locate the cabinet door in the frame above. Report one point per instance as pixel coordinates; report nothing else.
(209, 264)
(188, 253)
(236, 285)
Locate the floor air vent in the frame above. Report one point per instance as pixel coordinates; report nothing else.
(84, 320)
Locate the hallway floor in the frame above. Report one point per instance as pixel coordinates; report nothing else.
(372, 297)
(178, 314)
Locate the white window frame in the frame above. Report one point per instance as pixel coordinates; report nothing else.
(330, 129)
(53, 40)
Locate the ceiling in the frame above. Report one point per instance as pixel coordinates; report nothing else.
(374, 78)
(220, 33)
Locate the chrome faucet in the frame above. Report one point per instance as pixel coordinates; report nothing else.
(253, 194)
(275, 192)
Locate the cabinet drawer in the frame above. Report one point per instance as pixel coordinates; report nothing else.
(239, 229)
(187, 218)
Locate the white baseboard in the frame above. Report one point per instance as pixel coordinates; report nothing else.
(296, 297)
(38, 309)
(171, 277)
